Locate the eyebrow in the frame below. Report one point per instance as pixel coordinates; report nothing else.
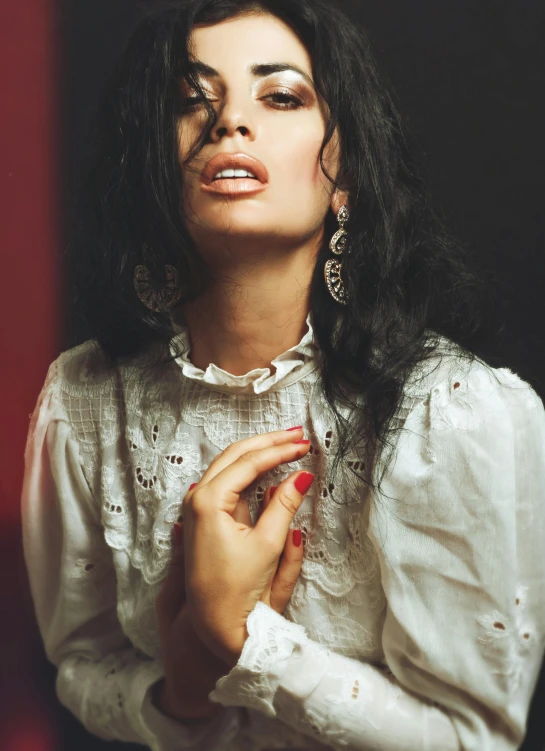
(259, 70)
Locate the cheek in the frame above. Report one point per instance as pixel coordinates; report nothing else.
(300, 164)
(302, 161)
(304, 192)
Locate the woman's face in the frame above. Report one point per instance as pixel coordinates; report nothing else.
(274, 116)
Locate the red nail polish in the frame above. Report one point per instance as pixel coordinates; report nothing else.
(297, 537)
(192, 485)
(273, 490)
(298, 427)
(303, 482)
(303, 440)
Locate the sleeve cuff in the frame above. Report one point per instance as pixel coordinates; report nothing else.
(273, 644)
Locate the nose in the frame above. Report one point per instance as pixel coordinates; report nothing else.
(233, 118)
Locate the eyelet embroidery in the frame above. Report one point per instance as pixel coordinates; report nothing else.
(162, 455)
(508, 640)
(114, 501)
(453, 405)
(89, 571)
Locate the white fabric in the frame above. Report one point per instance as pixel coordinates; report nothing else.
(290, 365)
(418, 621)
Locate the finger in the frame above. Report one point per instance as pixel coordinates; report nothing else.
(266, 498)
(171, 596)
(223, 491)
(288, 571)
(235, 450)
(241, 514)
(265, 595)
(274, 523)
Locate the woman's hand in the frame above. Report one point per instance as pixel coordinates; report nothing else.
(230, 565)
(191, 669)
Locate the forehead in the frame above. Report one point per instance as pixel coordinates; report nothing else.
(233, 45)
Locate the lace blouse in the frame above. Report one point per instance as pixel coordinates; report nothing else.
(418, 620)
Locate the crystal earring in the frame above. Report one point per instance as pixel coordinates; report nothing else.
(159, 298)
(333, 268)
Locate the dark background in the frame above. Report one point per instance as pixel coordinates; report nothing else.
(471, 80)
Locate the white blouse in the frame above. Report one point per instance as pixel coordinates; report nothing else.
(418, 620)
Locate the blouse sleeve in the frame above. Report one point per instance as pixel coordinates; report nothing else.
(459, 529)
(102, 679)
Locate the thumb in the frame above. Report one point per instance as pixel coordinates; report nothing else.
(171, 596)
(283, 506)
(287, 573)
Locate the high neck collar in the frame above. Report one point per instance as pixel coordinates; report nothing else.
(291, 365)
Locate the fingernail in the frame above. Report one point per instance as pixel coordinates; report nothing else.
(297, 537)
(177, 533)
(273, 490)
(192, 485)
(297, 427)
(303, 440)
(303, 482)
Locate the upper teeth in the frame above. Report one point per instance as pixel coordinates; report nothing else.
(234, 173)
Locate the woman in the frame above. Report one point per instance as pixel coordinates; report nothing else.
(300, 332)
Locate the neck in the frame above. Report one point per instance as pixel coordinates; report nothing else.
(252, 313)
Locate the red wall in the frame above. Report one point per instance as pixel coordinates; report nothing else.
(29, 328)
(29, 229)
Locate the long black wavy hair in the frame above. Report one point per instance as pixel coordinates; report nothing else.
(407, 276)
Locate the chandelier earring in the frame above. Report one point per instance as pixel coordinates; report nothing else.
(159, 298)
(333, 267)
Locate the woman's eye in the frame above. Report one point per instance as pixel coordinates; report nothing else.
(285, 100)
(194, 101)
(282, 100)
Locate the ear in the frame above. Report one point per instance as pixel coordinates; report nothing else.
(339, 198)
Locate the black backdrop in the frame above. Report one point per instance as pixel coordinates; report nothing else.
(471, 79)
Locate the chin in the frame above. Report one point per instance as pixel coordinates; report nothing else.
(235, 220)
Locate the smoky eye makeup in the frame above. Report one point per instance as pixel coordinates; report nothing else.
(288, 85)
(188, 90)
(283, 89)
(190, 98)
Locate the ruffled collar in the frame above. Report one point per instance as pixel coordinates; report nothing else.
(291, 366)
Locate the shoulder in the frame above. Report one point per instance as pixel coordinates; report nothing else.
(96, 395)
(80, 389)
(467, 431)
(460, 391)
(459, 412)
(77, 372)
(83, 370)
